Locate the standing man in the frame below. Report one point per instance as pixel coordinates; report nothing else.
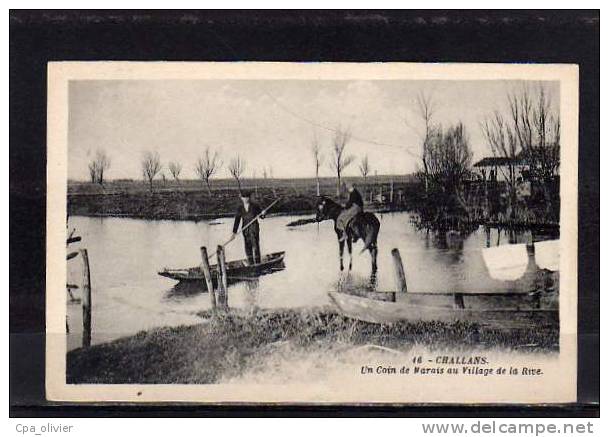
(246, 213)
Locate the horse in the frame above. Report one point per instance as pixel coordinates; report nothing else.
(365, 226)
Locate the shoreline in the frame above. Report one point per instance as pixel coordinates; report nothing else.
(189, 202)
(229, 344)
(195, 203)
(213, 216)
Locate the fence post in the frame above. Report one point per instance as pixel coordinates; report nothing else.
(86, 300)
(207, 275)
(222, 279)
(400, 275)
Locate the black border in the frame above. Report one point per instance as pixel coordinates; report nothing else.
(37, 37)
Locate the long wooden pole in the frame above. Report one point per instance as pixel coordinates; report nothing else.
(208, 279)
(400, 275)
(86, 300)
(222, 279)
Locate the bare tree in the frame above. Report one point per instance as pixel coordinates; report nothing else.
(175, 168)
(236, 168)
(151, 166)
(448, 164)
(317, 158)
(207, 166)
(364, 168)
(449, 158)
(98, 166)
(93, 171)
(103, 164)
(502, 141)
(537, 129)
(426, 110)
(340, 161)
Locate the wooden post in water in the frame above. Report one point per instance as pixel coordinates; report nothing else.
(207, 274)
(86, 300)
(458, 301)
(400, 275)
(222, 278)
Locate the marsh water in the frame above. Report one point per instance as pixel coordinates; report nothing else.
(129, 296)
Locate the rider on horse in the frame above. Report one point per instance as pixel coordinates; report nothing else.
(353, 207)
(351, 224)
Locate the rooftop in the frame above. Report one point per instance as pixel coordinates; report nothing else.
(494, 161)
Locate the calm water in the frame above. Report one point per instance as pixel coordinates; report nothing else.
(128, 295)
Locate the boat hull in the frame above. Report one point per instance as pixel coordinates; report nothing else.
(416, 310)
(234, 270)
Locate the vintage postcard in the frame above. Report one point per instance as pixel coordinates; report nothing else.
(317, 233)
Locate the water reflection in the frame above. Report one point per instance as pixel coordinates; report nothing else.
(251, 295)
(353, 283)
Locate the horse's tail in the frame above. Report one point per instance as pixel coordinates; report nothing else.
(371, 236)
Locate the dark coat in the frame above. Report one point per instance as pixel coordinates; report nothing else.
(247, 217)
(355, 198)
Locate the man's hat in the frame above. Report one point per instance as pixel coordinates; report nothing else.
(246, 193)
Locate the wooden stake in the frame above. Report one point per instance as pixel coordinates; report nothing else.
(458, 301)
(208, 279)
(86, 300)
(400, 275)
(222, 278)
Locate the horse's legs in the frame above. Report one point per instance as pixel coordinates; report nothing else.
(341, 249)
(373, 252)
(350, 248)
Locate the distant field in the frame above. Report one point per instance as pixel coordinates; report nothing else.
(327, 185)
(190, 199)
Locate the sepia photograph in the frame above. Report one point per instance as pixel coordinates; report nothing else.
(317, 233)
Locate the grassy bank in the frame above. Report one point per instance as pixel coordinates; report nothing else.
(190, 200)
(226, 346)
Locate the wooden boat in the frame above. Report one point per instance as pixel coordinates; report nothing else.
(497, 309)
(234, 269)
(501, 310)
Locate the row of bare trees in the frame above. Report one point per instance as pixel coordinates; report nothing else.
(210, 163)
(339, 160)
(206, 167)
(529, 134)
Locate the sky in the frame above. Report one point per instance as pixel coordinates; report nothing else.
(270, 124)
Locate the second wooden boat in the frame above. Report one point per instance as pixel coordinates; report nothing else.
(509, 310)
(234, 269)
